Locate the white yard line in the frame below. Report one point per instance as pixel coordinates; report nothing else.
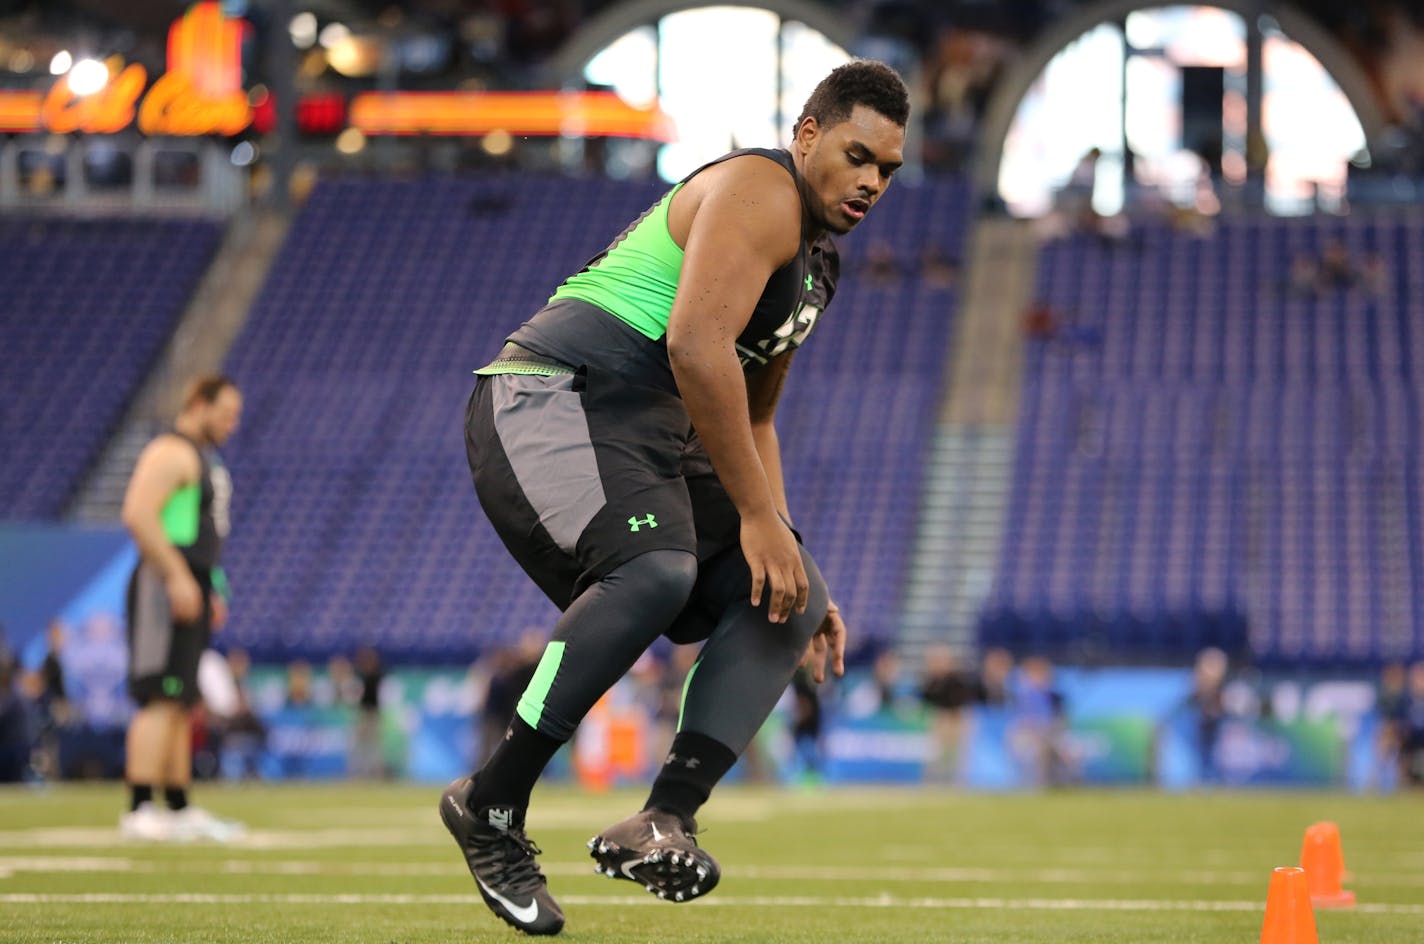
(726, 901)
(10, 865)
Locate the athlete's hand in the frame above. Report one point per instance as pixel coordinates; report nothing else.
(830, 639)
(219, 607)
(185, 597)
(775, 561)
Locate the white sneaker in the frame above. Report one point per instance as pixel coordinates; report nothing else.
(148, 822)
(195, 823)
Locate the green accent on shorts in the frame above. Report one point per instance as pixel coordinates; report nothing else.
(636, 280)
(531, 703)
(220, 585)
(180, 515)
(172, 686)
(686, 684)
(518, 367)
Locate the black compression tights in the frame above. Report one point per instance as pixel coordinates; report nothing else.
(602, 634)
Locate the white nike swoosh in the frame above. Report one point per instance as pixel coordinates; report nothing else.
(627, 868)
(657, 836)
(526, 915)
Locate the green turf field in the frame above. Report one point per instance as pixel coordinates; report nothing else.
(357, 864)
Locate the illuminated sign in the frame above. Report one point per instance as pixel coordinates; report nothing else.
(201, 93)
(579, 114)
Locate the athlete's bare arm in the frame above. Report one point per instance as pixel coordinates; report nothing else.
(763, 392)
(165, 465)
(739, 224)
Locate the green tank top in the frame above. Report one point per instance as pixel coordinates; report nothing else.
(635, 278)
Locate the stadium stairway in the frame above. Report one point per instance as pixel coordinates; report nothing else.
(210, 323)
(963, 506)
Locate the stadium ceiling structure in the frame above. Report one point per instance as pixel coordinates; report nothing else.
(620, 18)
(1017, 80)
(728, 75)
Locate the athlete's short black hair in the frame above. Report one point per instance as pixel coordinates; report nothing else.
(206, 389)
(858, 82)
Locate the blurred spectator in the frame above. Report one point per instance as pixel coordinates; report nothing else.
(961, 66)
(245, 735)
(1040, 721)
(368, 759)
(881, 266)
(946, 690)
(510, 672)
(938, 268)
(1304, 278)
(51, 704)
(1208, 683)
(1411, 745)
(806, 721)
(1337, 267)
(995, 669)
(16, 731)
(879, 694)
(1374, 275)
(1041, 322)
(299, 685)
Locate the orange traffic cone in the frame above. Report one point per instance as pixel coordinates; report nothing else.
(1289, 919)
(1324, 866)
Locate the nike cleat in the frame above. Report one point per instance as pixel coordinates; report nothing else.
(501, 858)
(653, 849)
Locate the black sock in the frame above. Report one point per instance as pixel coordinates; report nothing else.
(176, 797)
(693, 767)
(139, 793)
(508, 777)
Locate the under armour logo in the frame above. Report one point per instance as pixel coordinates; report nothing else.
(691, 763)
(635, 523)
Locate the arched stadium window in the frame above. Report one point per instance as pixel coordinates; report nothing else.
(1167, 88)
(728, 77)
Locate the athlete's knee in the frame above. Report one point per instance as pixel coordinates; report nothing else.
(665, 575)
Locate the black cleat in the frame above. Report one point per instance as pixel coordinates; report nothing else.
(653, 849)
(501, 858)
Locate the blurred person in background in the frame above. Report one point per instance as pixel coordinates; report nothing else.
(511, 670)
(52, 704)
(996, 668)
(1040, 722)
(1391, 702)
(947, 691)
(16, 724)
(1411, 729)
(806, 725)
(368, 756)
(1208, 684)
(300, 685)
(580, 437)
(245, 735)
(177, 510)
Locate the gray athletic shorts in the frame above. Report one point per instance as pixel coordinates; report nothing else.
(163, 655)
(580, 472)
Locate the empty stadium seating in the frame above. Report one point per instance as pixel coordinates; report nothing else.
(354, 518)
(87, 306)
(1208, 455)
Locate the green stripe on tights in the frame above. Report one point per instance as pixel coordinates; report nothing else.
(686, 684)
(531, 704)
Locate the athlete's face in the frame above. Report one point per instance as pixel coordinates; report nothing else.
(847, 166)
(220, 418)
